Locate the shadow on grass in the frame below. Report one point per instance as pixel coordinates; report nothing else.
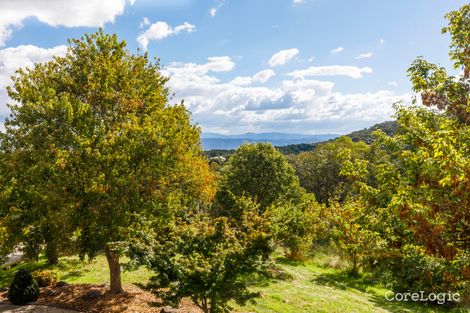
(344, 280)
(65, 265)
(285, 261)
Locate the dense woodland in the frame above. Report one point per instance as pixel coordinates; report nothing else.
(97, 159)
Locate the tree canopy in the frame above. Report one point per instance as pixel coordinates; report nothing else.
(95, 130)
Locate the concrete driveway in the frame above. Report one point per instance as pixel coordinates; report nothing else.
(9, 308)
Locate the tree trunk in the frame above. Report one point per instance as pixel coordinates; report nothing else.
(52, 253)
(115, 285)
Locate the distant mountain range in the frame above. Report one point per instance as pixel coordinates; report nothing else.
(215, 141)
(299, 143)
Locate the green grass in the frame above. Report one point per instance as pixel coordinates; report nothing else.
(313, 287)
(72, 270)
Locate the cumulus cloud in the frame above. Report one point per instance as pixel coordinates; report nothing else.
(393, 83)
(364, 56)
(297, 104)
(213, 12)
(333, 70)
(282, 57)
(160, 30)
(145, 22)
(22, 56)
(337, 50)
(261, 77)
(73, 13)
(297, 1)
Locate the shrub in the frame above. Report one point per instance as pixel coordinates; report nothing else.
(46, 278)
(413, 270)
(208, 261)
(24, 288)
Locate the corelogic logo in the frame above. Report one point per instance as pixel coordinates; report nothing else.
(421, 296)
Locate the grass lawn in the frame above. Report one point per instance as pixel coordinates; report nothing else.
(313, 287)
(72, 270)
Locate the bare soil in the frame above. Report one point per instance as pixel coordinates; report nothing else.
(74, 297)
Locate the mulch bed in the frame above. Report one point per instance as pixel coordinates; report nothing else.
(77, 297)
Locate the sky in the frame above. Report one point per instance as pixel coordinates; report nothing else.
(295, 66)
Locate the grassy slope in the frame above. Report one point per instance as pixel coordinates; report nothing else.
(312, 288)
(316, 288)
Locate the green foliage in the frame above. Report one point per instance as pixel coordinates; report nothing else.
(207, 261)
(296, 226)
(421, 198)
(367, 134)
(326, 171)
(116, 152)
(260, 172)
(437, 87)
(23, 289)
(45, 277)
(352, 233)
(414, 270)
(296, 148)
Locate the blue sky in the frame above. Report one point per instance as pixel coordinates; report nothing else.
(306, 66)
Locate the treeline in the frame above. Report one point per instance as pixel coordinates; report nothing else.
(95, 159)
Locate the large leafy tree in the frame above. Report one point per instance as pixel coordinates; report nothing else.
(121, 158)
(260, 172)
(423, 197)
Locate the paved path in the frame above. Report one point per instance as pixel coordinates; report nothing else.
(9, 308)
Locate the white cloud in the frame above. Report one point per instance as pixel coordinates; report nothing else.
(337, 50)
(294, 105)
(297, 1)
(213, 11)
(282, 57)
(160, 30)
(73, 13)
(261, 77)
(381, 41)
(364, 56)
(333, 70)
(22, 56)
(145, 22)
(393, 83)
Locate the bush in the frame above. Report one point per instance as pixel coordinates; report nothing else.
(413, 271)
(46, 278)
(208, 261)
(24, 288)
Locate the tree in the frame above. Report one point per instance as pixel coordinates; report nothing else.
(33, 202)
(125, 156)
(295, 225)
(352, 232)
(260, 172)
(209, 260)
(319, 171)
(423, 195)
